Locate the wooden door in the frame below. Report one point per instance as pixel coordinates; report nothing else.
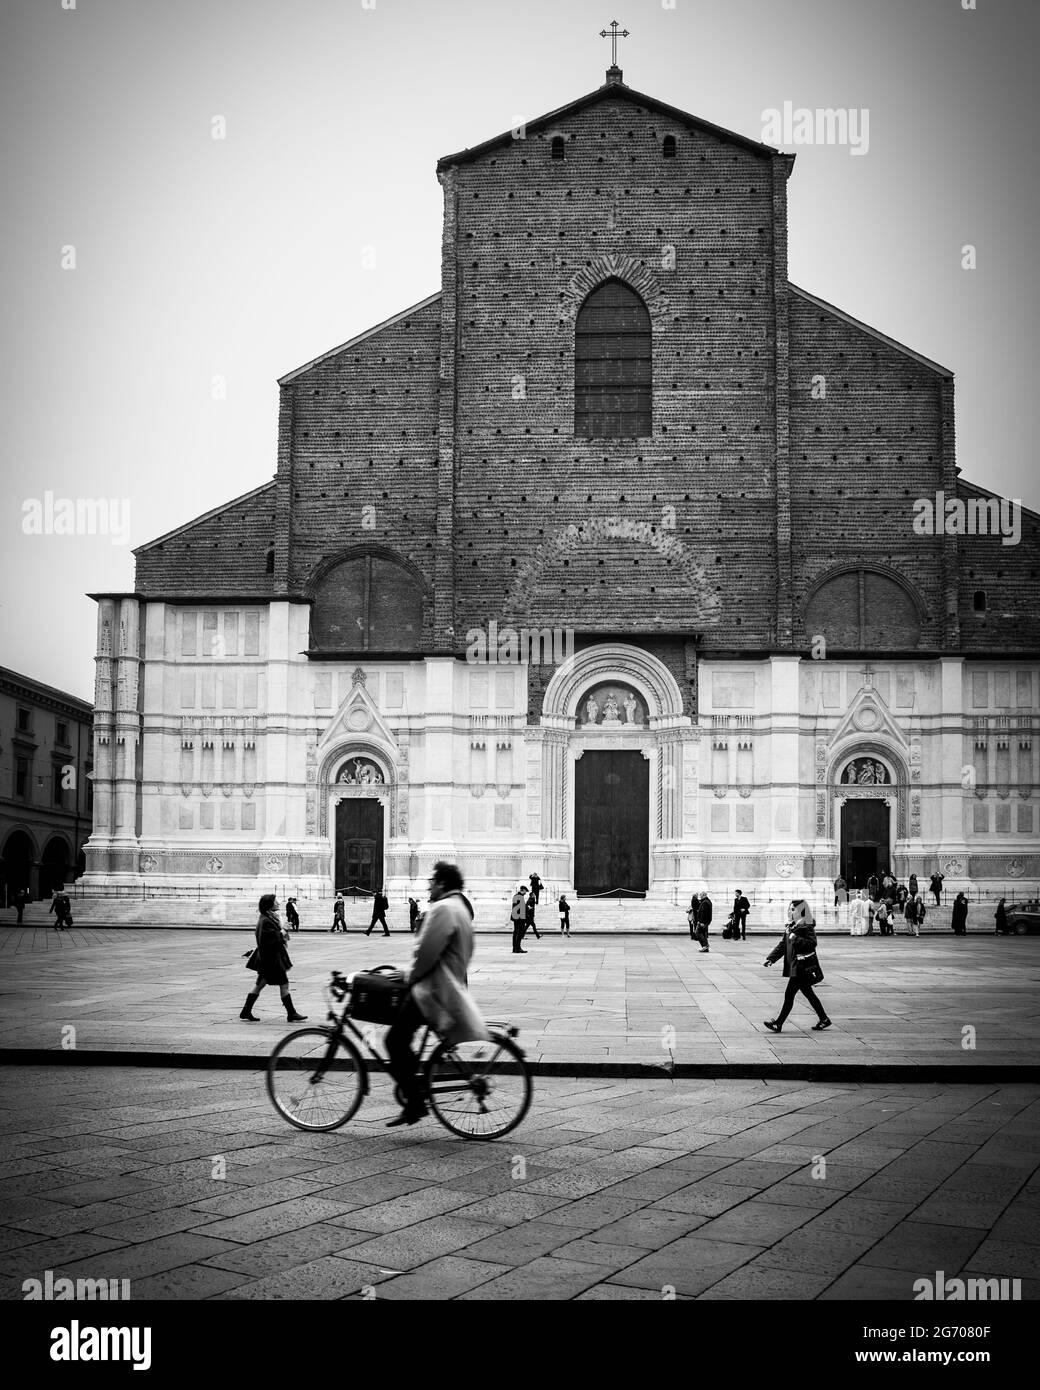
(611, 822)
(359, 845)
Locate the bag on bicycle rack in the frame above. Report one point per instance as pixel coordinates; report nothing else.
(377, 995)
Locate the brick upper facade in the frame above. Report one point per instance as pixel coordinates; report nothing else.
(445, 437)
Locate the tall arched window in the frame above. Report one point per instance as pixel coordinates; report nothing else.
(612, 365)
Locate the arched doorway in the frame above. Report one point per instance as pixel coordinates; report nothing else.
(361, 812)
(18, 859)
(868, 798)
(616, 758)
(54, 866)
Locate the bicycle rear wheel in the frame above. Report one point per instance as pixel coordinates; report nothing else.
(315, 1079)
(479, 1090)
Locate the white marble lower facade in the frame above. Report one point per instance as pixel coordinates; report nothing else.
(223, 752)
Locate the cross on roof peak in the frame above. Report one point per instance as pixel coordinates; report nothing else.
(614, 33)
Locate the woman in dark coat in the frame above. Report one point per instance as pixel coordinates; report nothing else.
(959, 918)
(339, 919)
(798, 948)
(291, 915)
(529, 916)
(270, 960)
(912, 885)
(1001, 916)
(413, 915)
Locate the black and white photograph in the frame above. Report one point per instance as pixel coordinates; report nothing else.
(487, 479)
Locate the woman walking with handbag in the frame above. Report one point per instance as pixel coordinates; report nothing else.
(339, 919)
(801, 966)
(270, 960)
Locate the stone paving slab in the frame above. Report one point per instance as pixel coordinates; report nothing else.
(635, 1006)
(626, 1220)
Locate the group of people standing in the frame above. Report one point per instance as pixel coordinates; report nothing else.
(700, 914)
(884, 901)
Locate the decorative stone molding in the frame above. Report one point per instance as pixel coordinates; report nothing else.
(1015, 868)
(214, 865)
(343, 756)
(954, 868)
(627, 268)
(273, 865)
(617, 661)
(784, 868)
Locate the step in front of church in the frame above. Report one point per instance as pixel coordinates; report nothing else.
(588, 915)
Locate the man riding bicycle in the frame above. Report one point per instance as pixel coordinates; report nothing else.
(439, 993)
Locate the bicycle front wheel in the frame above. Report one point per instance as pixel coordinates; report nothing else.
(315, 1079)
(479, 1090)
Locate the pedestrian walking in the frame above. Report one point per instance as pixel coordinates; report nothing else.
(704, 911)
(529, 915)
(413, 915)
(691, 915)
(741, 908)
(959, 916)
(902, 896)
(935, 886)
(271, 961)
(874, 887)
(802, 969)
(859, 915)
(62, 909)
(1000, 916)
(339, 917)
(379, 905)
(518, 915)
(565, 915)
(20, 900)
(291, 915)
(841, 891)
(536, 888)
(912, 885)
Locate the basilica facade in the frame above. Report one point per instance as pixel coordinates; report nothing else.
(620, 558)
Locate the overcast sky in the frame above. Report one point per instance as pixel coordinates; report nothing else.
(244, 257)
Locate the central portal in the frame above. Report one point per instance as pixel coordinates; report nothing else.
(611, 822)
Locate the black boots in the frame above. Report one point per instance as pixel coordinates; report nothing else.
(773, 1026)
(290, 1010)
(247, 1008)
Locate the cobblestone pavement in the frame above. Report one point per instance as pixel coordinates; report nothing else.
(609, 1190)
(630, 1000)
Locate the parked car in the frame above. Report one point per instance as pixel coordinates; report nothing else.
(1023, 919)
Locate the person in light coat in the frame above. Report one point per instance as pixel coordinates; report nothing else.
(859, 914)
(439, 989)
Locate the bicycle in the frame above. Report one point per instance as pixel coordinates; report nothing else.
(317, 1077)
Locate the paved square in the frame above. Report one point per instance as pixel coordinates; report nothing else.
(635, 1003)
(611, 1189)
